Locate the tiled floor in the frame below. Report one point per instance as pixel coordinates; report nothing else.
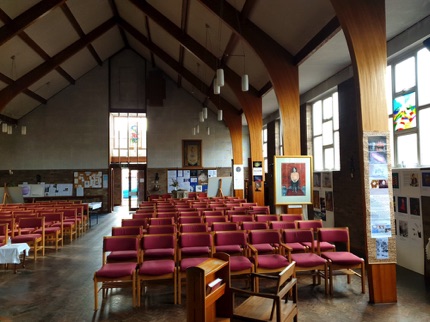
(59, 287)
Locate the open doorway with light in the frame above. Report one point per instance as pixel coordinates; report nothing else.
(128, 158)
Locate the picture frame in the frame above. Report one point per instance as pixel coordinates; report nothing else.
(192, 154)
(293, 180)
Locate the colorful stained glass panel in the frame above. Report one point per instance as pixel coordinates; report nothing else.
(404, 112)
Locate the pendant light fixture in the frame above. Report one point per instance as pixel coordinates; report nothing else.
(205, 112)
(219, 115)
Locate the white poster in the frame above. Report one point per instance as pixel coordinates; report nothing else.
(238, 177)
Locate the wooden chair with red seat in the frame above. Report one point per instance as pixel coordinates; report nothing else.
(193, 249)
(224, 226)
(158, 262)
(122, 248)
(259, 210)
(36, 241)
(341, 262)
(53, 234)
(306, 261)
(290, 217)
(253, 225)
(161, 229)
(265, 246)
(193, 228)
(315, 224)
(114, 274)
(282, 225)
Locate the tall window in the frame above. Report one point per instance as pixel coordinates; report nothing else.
(409, 109)
(325, 133)
(128, 137)
(266, 164)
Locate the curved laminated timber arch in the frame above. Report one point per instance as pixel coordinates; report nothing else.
(363, 22)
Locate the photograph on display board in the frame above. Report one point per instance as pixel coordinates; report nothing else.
(316, 199)
(402, 205)
(381, 248)
(426, 179)
(415, 230)
(403, 228)
(414, 206)
(326, 179)
(395, 180)
(317, 179)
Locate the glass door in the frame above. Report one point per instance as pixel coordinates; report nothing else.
(133, 186)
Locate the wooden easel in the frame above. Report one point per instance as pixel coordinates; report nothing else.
(6, 195)
(219, 192)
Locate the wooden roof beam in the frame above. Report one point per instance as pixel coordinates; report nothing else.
(26, 91)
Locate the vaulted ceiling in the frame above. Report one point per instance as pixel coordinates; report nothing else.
(48, 45)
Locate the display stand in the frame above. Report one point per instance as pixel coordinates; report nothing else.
(219, 192)
(6, 195)
(205, 303)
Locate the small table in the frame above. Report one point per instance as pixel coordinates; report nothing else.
(94, 208)
(9, 254)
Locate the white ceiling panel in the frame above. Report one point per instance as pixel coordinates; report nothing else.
(170, 8)
(163, 40)
(53, 32)
(90, 14)
(49, 85)
(14, 8)
(130, 13)
(202, 71)
(109, 43)
(25, 58)
(79, 64)
(20, 106)
(138, 47)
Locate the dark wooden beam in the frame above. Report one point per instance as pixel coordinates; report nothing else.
(267, 87)
(8, 93)
(148, 32)
(26, 91)
(325, 34)
(66, 10)
(116, 15)
(184, 25)
(27, 18)
(189, 43)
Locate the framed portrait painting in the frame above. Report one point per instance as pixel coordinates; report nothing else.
(293, 180)
(192, 153)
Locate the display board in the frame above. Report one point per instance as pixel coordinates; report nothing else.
(192, 180)
(213, 186)
(88, 179)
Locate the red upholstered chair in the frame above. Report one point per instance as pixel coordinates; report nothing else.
(36, 241)
(291, 217)
(265, 248)
(190, 220)
(213, 213)
(211, 219)
(193, 228)
(193, 249)
(305, 261)
(54, 229)
(127, 231)
(315, 225)
(121, 249)
(224, 226)
(252, 225)
(241, 218)
(342, 262)
(158, 261)
(282, 225)
(259, 210)
(12, 228)
(142, 215)
(135, 222)
(4, 234)
(266, 218)
(161, 229)
(167, 214)
(114, 275)
(161, 221)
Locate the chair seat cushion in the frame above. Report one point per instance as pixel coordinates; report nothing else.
(159, 253)
(239, 263)
(116, 270)
(229, 249)
(272, 261)
(195, 250)
(342, 258)
(157, 267)
(25, 238)
(49, 230)
(324, 246)
(122, 255)
(189, 262)
(297, 247)
(263, 248)
(307, 260)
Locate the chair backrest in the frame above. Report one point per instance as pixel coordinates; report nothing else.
(161, 229)
(308, 224)
(235, 212)
(282, 225)
(266, 218)
(291, 217)
(134, 222)
(241, 218)
(213, 213)
(4, 231)
(299, 236)
(269, 236)
(224, 226)
(142, 215)
(158, 241)
(120, 243)
(31, 222)
(52, 217)
(195, 239)
(193, 228)
(248, 205)
(209, 220)
(11, 225)
(129, 230)
(189, 213)
(161, 221)
(334, 235)
(252, 225)
(222, 238)
(259, 210)
(190, 220)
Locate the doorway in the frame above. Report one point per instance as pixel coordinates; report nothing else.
(133, 186)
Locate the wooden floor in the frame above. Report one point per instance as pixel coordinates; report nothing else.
(59, 287)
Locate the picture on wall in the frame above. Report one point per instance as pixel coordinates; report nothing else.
(317, 179)
(192, 153)
(403, 228)
(317, 199)
(293, 180)
(326, 179)
(329, 200)
(402, 205)
(395, 180)
(414, 206)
